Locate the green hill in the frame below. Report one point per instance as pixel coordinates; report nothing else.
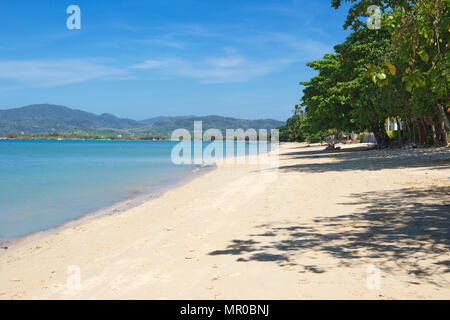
(167, 125)
(48, 119)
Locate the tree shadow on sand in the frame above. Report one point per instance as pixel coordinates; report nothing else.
(357, 159)
(399, 230)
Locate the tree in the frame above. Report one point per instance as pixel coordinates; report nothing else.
(419, 30)
(399, 71)
(342, 96)
(292, 131)
(11, 135)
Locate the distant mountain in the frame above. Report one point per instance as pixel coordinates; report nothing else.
(167, 125)
(152, 120)
(47, 119)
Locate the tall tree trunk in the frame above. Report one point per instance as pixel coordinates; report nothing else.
(445, 126)
(380, 134)
(422, 132)
(374, 129)
(408, 128)
(401, 132)
(413, 131)
(433, 131)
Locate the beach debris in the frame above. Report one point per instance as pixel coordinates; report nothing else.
(410, 146)
(330, 146)
(14, 280)
(4, 248)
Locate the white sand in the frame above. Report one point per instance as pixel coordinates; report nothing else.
(309, 230)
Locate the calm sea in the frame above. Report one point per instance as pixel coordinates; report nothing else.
(46, 183)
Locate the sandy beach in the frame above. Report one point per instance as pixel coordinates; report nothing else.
(351, 224)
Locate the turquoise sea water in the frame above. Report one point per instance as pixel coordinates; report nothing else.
(46, 183)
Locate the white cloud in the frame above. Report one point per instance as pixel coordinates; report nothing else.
(215, 69)
(225, 62)
(177, 36)
(307, 46)
(303, 48)
(152, 64)
(44, 73)
(161, 41)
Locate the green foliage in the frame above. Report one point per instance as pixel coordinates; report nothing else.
(393, 134)
(314, 138)
(342, 96)
(419, 33)
(400, 71)
(296, 127)
(360, 136)
(359, 9)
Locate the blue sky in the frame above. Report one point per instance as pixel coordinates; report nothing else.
(145, 58)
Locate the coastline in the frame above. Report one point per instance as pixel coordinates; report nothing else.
(308, 229)
(116, 208)
(152, 191)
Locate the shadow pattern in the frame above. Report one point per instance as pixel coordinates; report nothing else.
(350, 159)
(399, 230)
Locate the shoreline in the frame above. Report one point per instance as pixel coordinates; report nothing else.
(116, 208)
(308, 230)
(119, 206)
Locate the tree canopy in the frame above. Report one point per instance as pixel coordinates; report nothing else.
(399, 70)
